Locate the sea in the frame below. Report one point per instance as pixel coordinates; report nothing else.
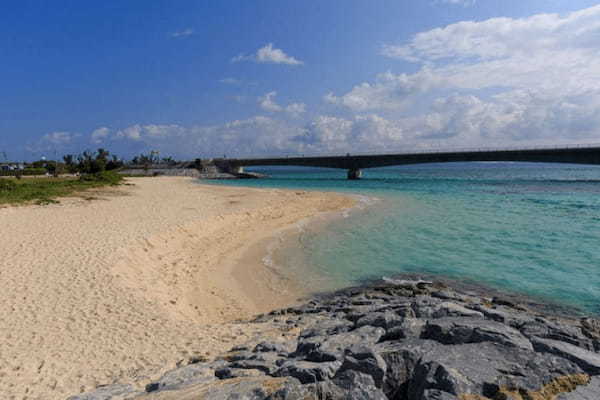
(525, 228)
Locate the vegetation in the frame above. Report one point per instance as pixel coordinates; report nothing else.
(92, 163)
(25, 172)
(46, 190)
(88, 170)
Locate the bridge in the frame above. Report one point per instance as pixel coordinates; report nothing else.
(354, 164)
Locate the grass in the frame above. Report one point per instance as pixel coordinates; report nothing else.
(47, 190)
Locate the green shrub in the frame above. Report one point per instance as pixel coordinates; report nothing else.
(34, 171)
(109, 177)
(26, 172)
(7, 185)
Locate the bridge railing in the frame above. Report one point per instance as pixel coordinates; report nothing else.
(423, 151)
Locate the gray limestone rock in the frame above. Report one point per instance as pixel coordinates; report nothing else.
(308, 371)
(364, 360)
(350, 385)
(188, 375)
(266, 347)
(434, 394)
(449, 309)
(483, 369)
(556, 330)
(331, 348)
(587, 360)
(473, 330)
(230, 373)
(249, 388)
(400, 359)
(385, 320)
(327, 327)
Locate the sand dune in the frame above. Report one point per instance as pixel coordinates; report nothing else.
(123, 287)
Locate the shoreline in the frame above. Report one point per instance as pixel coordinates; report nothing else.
(126, 286)
(397, 339)
(187, 294)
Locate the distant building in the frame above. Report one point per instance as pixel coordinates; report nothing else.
(8, 166)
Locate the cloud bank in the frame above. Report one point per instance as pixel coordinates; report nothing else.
(493, 82)
(502, 81)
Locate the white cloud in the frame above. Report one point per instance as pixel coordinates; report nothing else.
(387, 92)
(268, 103)
(296, 109)
(99, 135)
(54, 141)
(492, 82)
(58, 138)
(252, 136)
(183, 33)
(262, 135)
(268, 54)
(329, 134)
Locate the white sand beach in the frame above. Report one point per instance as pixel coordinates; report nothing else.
(122, 287)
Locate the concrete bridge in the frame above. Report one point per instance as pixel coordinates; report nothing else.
(354, 164)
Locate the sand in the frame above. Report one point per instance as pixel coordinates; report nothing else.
(123, 287)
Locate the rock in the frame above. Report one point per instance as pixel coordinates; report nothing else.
(411, 284)
(230, 373)
(473, 330)
(308, 371)
(188, 375)
(267, 366)
(448, 294)
(587, 360)
(410, 328)
(556, 388)
(449, 309)
(366, 361)
(326, 328)
(434, 394)
(591, 328)
(237, 355)
(404, 342)
(484, 369)
(400, 359)
(331, 348)
(556, 330)
(424, 306)
(591, 391)
(350, 385)
(254, 388)
(357, 312)
(505, 315)
(107, 392)
(385, 320)
(266, 347)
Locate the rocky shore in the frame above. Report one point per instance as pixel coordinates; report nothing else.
(400, 340)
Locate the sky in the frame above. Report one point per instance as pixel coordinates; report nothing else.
(279, 77)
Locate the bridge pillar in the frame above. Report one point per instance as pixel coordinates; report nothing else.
(354, 174)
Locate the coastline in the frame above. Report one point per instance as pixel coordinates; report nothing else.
(126, 286)
(397, 339)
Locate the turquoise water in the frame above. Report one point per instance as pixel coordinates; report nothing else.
(529, 228)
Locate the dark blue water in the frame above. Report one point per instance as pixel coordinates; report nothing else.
(528, 228)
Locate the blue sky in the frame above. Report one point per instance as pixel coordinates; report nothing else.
(206, 78)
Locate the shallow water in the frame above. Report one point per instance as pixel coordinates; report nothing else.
(529, 228)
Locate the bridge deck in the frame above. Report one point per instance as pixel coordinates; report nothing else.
(574, 155)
